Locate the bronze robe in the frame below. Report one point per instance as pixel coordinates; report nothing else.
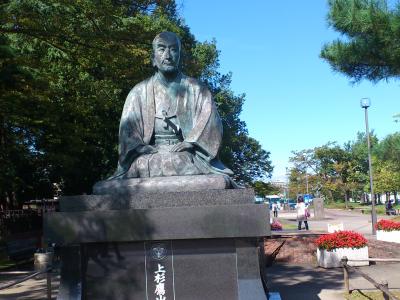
(196, 116)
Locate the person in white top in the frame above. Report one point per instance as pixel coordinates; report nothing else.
(275, 209)
(302, 213)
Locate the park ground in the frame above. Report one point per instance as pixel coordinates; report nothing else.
(294, 272)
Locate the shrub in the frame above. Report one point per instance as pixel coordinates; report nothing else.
(387, 225)
(276, 225)
(341, 239)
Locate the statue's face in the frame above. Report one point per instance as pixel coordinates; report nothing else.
(166, 54)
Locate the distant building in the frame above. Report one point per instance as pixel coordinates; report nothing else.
(280, 184)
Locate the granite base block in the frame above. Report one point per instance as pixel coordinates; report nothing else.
(142, 200)
(207, 247)
(227, 221)
(162, 184)
(215, 269)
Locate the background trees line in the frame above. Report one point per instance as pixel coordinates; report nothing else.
(65, 70)
(341, 172)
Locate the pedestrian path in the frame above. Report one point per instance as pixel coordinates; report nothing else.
(32, 289)
(295, 274)
(305, 281)
(351, 220)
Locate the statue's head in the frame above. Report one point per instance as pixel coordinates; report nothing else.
(166, 52)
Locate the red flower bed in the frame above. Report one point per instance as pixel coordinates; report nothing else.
(387, 225)
(341, 239)
(276, 225)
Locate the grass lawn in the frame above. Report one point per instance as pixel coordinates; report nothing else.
(341, 205)
(288, 225)
(380, 208)
(4, 261)
(355, 295)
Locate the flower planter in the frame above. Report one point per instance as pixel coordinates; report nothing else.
(388, 236)
(332, 259)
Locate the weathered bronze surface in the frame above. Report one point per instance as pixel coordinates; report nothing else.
(169, 125)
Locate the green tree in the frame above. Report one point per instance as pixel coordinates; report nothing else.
(304, 173)
(369, 48)
(386, 177)
(386, 165)
(19, 127)
(389, 149)
(338, 171)
(263, 189)
(90, 55)
(83, 58)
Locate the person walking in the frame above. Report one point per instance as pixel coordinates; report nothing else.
(275, 209)
(302, 213)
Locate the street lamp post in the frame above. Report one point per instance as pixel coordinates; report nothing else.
(287, 183)
(365, 103)
(306, 183)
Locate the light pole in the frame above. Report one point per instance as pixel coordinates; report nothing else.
(287, 183)
(306, 183)
(365, 103)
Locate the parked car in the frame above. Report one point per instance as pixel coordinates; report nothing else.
(292, 204)
(258, 200)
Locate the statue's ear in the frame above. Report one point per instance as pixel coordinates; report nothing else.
(152, 59)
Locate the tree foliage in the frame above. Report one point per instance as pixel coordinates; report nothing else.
(338, 171)
(66, 68)
(263, 189)
(369, 48)
(386, 164)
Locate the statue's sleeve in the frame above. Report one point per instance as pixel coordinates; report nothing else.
(207, 126)
(130, 130)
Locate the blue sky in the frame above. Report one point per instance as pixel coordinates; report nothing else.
(294, 100)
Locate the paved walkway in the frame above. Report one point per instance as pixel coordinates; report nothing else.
(309, 282)
(352, 220)
(295, 274)
(292, 281)
(32, 289)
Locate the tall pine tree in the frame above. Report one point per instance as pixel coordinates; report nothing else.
(370, 46)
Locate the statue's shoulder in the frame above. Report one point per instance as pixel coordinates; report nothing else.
(194, 83)
(139, 88)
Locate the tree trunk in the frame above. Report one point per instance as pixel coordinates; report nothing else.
(387, 197)
(14, 200)
(346, 196)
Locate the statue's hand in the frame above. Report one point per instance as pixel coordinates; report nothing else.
(146, 149)
(182, 146)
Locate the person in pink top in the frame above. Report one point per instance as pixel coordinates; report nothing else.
(302, 213)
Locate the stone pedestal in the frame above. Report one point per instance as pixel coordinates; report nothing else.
(175, 245)
(318, 204)
(189, 183)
